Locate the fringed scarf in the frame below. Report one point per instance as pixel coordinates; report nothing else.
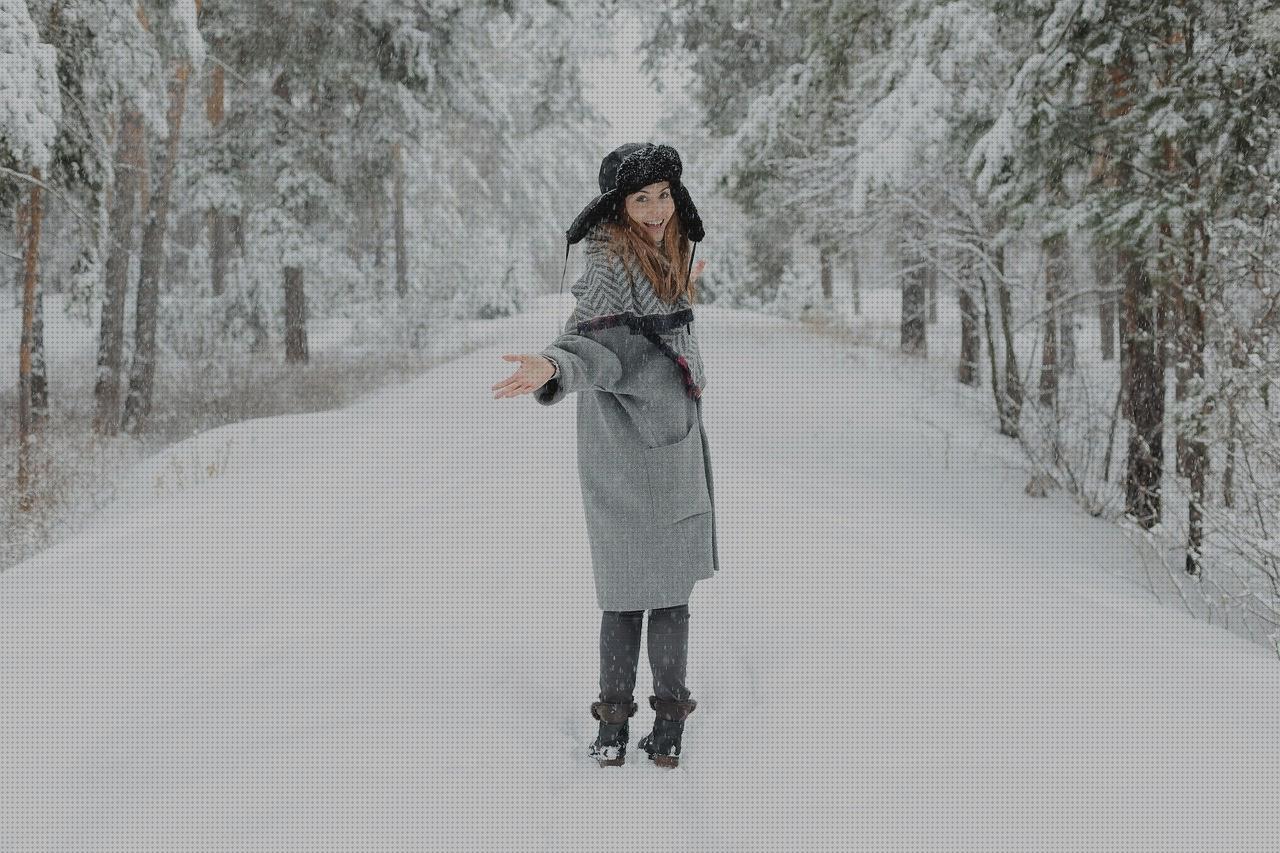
(667, 325)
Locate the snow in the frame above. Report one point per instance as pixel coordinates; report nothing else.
(184, 14)
(938, 76)
(990, 155)
(375, 629)
(30, 107)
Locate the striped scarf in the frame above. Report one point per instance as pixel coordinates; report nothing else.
(626, 297)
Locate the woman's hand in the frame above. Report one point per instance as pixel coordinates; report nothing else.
(697, 270)
(533, 373)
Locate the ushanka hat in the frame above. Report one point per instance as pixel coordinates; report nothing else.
(625, 170)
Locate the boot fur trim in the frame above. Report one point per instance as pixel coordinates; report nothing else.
(613, 713)
(669, 709)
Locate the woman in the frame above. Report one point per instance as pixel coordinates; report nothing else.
(643, 459)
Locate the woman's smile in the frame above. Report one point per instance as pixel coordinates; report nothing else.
(651, 208)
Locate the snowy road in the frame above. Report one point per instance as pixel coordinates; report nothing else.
(374, 629)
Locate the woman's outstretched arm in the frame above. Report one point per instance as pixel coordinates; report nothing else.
(583, 360)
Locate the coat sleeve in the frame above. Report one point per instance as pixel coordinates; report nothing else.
(584, 360)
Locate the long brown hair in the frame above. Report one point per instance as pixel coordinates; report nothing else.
(666, 266)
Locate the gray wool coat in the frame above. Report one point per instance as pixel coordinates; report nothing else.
(643, 458)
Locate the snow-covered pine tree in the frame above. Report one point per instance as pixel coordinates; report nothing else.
(930, 86)
(30, 112)
(433, 129)
(748, 63)
(182, 48)
(110, 71)
(1168, 107)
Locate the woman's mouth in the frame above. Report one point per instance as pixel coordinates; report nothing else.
(655, 226)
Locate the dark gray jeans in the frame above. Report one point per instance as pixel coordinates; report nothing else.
(620, 652)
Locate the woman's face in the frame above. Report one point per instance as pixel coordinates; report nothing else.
(651, 208)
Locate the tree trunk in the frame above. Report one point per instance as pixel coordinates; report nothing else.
(1191, 335)
(855, 283)
(219, 243)
(33, 216)
(1111, 434)
(402, 259)
(1005, 428)
(1238, 362)
(1187, 339)
(130, 160)
(913, 314)
(967, 372)
(1197, 464)
(215, 103)
(1012, 379)
(1066, 342)
(137, 405)
(39, 395)
(1169, 336)
(295, 316)
(912, 338)
(931, 288)
(1104, 281)
(1141, 368)
(1163, 288)
(39, 369)
(824, 273)
(20, 236)
(219, 250)
(1107, 327)
(375, 224)
(1052, 294)
(1144, 394)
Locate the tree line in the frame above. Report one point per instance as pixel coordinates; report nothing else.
(201, 169)
(1142, 136)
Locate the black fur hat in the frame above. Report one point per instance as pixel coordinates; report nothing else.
(624, 170)
(628, 168)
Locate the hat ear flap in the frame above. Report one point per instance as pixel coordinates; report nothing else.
(597, 209)
(688, 213)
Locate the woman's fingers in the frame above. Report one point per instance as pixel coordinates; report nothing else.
(504, 383)
(510, 382)
(507, 388)
(519, 382)
(512, 387)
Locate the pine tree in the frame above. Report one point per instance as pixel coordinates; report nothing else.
(30, 112)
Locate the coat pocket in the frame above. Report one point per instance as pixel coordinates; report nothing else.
(677, 479)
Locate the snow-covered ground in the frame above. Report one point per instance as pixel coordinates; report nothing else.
(374, 629)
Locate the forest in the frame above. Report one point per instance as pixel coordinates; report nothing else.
(209, 190)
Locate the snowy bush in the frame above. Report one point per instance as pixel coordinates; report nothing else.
(395, 324)
(799, 296)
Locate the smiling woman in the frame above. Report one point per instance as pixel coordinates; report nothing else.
(644, 462)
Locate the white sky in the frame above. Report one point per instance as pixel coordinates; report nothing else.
(621, 90)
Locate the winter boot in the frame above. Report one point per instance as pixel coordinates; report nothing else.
(610, 746)
(663, 743)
